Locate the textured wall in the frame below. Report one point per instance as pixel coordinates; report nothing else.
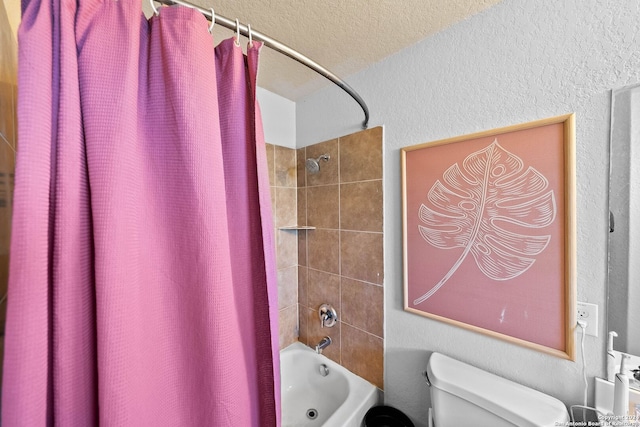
(515, 62)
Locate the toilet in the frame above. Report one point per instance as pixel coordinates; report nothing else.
(463, 395)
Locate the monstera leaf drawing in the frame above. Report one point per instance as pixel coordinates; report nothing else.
(479, 208)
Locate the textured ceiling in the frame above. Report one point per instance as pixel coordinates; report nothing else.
(344, 36)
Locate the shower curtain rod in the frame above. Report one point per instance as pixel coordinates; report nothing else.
(284, 49)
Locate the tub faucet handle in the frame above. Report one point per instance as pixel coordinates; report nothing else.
(328, 316)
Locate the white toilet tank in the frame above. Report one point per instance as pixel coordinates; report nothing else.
(463, 395)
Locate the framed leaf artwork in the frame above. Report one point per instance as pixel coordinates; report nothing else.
(489, 233)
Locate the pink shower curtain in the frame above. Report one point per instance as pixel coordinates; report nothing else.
(142, 278)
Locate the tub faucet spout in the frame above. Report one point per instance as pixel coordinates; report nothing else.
(324, 343)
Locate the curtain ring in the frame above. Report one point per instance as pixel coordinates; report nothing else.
(237, 32)
(153, 6)
(250, 36)
(213, 20)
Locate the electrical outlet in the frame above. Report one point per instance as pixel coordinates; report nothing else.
(588, 313)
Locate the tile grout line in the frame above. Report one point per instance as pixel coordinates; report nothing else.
(340, 249)
(363, 330)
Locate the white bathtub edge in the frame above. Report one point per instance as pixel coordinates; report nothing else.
(350, 413)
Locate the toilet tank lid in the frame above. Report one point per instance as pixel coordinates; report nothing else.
(506, 399)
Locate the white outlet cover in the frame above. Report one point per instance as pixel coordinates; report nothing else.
(589, 313)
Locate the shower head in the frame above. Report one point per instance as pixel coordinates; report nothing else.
(313, 165)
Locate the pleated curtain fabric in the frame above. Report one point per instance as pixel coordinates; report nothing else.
(142, 284)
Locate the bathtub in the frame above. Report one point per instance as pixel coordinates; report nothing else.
(339, 399)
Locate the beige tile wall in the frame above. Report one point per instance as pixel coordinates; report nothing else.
(8, 143)
(283, 180)
(341, 261)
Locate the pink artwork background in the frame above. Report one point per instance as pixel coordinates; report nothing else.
(530, 306)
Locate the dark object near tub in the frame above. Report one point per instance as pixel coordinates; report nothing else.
(386, 416)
